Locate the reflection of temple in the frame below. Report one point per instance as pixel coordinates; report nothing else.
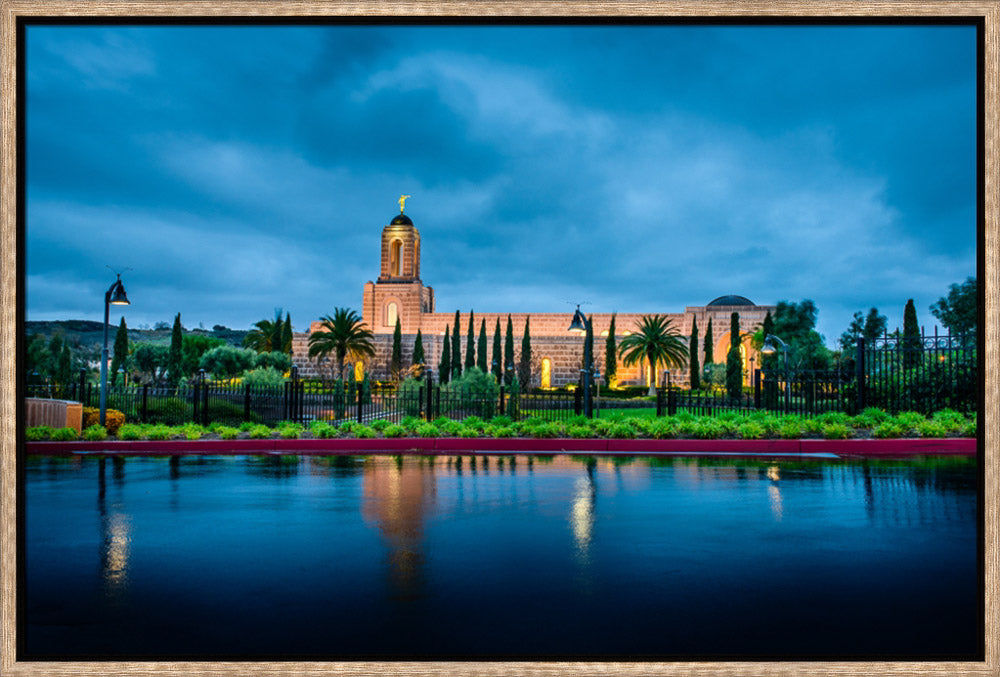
(399, 293)
(398, 495)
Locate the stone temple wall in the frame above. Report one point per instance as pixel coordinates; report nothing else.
(550, 339)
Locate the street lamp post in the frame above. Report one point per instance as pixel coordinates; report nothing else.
(581, 324)
(768, 349)
(114, 296)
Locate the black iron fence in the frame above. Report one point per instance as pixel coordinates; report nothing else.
(895, 374)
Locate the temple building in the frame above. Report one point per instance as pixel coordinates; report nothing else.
(399, 293)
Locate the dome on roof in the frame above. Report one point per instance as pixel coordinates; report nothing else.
(401, 220)
(731, 300)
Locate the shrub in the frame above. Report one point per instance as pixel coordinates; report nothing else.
(750, 430)
(952, 421)
(410, 423)
(64, 435)
(578, 431)
(501, 421)
(492, 430)
(686, 427)
(870, 418)
(932, 429)
(228, 433)
(113, 419)
(37, 433)
(159, 432)
(362, 432)
(259, 432)
(546, 430)
(889, 430)
(131, 431)
(277, 361)
(910, 419)
(709, 429)
(427, 430)
(836, 431)
(970, 429)
(290, 431)
(790, 428)
(601, 426)
(191, 431)
(467, 431)
(622, 431)
(663, 429)
(263, 376)
(227, 361)
(392, 430)
(324, 430)
(247, 426)
(449, 426)
(834, 417)
(380, 424)
(95, 433)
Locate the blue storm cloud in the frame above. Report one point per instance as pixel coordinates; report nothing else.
(641, 168)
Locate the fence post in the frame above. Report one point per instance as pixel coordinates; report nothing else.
(144, 411)
(204, 402)
(659, 401)
(501, 399)
(859, 374)
(197, 396)
(296, 401)
(427, 411)
(83, 381)
(246, 402)
(576, 401)
(756, 389)
(358, 393)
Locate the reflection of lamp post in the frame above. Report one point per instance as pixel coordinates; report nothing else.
(581, 324)
(115, 295)
(769, 348)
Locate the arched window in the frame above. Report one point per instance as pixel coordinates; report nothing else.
(391, 313)
(395, 258)
(546, 372)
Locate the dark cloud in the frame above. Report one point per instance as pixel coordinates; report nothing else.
(239, 169)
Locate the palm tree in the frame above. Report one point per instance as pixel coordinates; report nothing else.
(342, 334)
(657, 342)
(266, 336)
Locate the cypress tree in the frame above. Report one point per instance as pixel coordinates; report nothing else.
(444, 368)
(286, 335)
(911, 336)
(277, 331)
(175, 359)
(610, 355)
(470, 343)
(767, 365)
(693, 355)
(734, 363)
(120, 355)
(481, 349)
(710, 343)
(497, 363)
(396, 363)
(418, 354)
(508, 353)
(524, 366)
(456, 349)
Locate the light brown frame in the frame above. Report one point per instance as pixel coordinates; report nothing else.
(989, 10)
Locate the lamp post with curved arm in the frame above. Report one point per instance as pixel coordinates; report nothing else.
(114, 296)
(769, 348)
(581, 324)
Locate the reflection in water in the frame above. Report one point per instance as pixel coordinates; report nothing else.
(398, 496)
(774, 492)
(116, 533)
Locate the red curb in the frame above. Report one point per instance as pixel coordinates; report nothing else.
(446, 445)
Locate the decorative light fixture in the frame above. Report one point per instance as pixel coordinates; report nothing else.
(114, 296)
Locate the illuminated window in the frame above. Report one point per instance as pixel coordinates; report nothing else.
(359, 371)
(395, 258)
(391, 313)
(546, 372)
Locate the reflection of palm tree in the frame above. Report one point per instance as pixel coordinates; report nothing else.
(656, 341)
(342, 334)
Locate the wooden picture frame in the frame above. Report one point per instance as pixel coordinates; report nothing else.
(986, 11)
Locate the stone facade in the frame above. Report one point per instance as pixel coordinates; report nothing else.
(399, 292)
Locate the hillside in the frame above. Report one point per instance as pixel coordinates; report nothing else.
(86, 335)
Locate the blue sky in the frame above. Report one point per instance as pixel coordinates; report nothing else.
(240, 169)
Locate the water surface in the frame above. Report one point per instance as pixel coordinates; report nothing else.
(514, 557)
